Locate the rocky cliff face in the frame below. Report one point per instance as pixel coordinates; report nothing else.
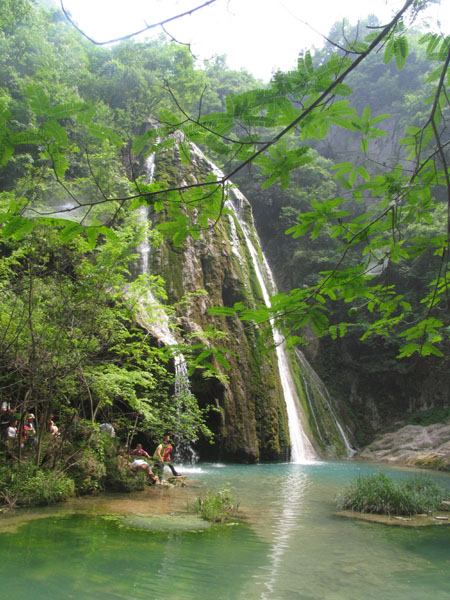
(375, 391)
(252, 400)
(249, 420)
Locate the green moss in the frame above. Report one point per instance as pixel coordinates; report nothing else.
(428, 417)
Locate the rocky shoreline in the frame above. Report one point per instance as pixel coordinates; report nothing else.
(412, 445)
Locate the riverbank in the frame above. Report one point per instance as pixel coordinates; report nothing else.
(154, 500)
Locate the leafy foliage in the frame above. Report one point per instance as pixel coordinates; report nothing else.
(27, 485)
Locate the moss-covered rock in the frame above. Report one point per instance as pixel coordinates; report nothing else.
(250, 421)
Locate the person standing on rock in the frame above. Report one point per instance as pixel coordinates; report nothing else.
(163, 456)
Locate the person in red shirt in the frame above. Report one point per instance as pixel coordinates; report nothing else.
(139, 451)
(140, 463)
(163, 457)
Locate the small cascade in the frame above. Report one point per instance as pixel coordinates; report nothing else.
(158, 323)
(301, 448)
(321, 406)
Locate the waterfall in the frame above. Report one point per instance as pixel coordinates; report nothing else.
(301, 448)
(318, 396)
(158, 324)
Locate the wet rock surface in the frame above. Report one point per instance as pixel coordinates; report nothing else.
(413, 521)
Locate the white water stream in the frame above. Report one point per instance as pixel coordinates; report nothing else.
(321, 389)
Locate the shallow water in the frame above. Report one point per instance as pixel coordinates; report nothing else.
(290, 546)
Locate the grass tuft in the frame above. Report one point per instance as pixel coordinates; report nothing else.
(379, 494)
(215, 506)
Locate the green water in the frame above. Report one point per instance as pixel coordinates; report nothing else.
(290, 546)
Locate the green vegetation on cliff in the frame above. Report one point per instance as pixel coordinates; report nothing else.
(78, 124)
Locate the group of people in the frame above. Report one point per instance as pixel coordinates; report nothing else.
(10, 429)
(162, 457)
(11, 432)
(9, 424)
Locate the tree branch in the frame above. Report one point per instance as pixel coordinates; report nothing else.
(135, 33)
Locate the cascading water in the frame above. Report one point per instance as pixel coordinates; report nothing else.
(319, 400)
(159, 325)
(301, 448)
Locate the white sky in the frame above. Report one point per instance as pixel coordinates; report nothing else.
(258, 35)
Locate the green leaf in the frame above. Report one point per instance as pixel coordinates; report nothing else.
(64, 111)
(53, 130)
(17, 227)
(39, 101)
(401, 51)
(70, 231)
(6, 151)
(364, 173)
(105, 133)
(86, 113)
(59, 161)
(92, 236)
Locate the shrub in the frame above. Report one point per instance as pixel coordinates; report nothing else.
(27, 485)
(88, 472)
(215, 506)
(120, 478)
(381, 495)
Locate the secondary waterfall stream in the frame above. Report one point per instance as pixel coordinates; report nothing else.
(158, 324)
(314, 386)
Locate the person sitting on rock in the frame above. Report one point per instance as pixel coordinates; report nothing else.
(140, 463)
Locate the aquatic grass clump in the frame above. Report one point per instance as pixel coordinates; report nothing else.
(215, 506)
(379, 494)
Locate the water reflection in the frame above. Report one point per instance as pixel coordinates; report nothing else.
(286, 510)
